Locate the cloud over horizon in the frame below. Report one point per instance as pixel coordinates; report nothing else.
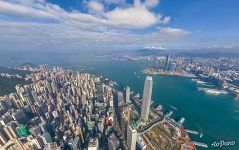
(39, 24)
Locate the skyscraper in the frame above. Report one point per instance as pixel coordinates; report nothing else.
(3, 137)
(131, 136)
(93, 144)
(120, 98)
(127, 95)
(125, 118)
(145, 107)
(43, 68)
(113, 142)
(120, 102)
(167, 62)
(10, 130)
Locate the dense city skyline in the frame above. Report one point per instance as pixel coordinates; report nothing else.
(65, 109)
(108, 112)
(76, 26)
(119, 74)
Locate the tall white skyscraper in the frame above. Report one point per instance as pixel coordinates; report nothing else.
(148, 86)
(127, 94)
(131, 136)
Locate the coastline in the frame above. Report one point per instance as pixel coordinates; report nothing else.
(229, 89)
(169, 73)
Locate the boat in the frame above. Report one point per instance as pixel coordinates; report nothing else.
(201, 135)
(200, 82)
(173, 107)
(212, 91)
(159, 107)
(168, 114)
(181, 121)
(137, 95)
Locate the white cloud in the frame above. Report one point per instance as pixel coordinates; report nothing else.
(95, 6)
(166, 36)
(135, 17)
(166, 20)
(155, 48)
(174, 32)
(10, 9)
(223, 46)
(151, 3)
(27, 2)
(44, 37)
(118, 2)
(59, 29)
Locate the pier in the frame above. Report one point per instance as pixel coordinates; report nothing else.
(191, 131)
(200, 144)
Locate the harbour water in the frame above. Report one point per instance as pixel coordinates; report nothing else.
(215, 117)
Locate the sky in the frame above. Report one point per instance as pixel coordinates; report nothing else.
(95, 25)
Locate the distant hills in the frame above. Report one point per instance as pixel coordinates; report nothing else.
(147, 51)
(7, 85)
(13, 71)
(207, 53)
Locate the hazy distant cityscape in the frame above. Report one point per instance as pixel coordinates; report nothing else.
(222, 72)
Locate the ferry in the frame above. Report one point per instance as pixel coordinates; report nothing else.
(159, 107)
(173, 107)
(212, 91)
(199, 81)
(181, 121)
(137, 95)
(201, 135)
(168, 114)
(115, 83)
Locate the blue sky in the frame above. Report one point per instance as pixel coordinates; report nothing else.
(78, 25)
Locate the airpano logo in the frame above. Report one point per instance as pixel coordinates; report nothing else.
(223, 143)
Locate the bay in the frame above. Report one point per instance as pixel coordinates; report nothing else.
(216, 116)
